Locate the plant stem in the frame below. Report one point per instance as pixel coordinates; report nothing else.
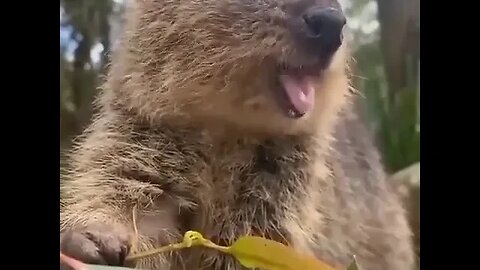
(210, 244)
(191, 238)
(156, 251)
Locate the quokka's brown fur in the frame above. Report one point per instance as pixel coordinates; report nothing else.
(185, 137)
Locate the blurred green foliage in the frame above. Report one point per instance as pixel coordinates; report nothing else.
(391, 95)
(394, 115)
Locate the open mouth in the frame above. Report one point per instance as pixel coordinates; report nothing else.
(297, 88)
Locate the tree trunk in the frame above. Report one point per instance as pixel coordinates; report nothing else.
(399, 32)
(104, 31)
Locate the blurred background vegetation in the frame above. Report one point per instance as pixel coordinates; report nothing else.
(386, 36)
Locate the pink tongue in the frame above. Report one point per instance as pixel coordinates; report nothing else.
(300, 91)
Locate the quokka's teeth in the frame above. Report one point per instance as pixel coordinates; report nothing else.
(291, 113)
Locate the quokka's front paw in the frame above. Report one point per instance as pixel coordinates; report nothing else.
(96, 244)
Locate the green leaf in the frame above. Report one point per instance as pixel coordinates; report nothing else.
(250, 251)
(257, 252)
(353, 265)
